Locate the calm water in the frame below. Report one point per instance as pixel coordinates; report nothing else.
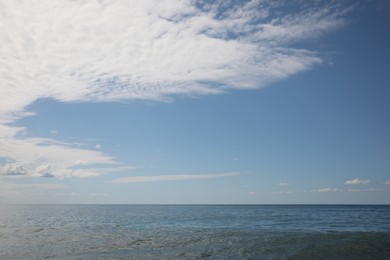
(194, 232)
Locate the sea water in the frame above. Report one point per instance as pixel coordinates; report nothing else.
(194, 232)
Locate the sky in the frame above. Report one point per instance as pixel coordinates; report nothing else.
(194, 102)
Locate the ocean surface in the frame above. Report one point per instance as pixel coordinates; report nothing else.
(194, 232)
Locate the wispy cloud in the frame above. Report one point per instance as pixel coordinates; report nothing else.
(183, 177)
(283, 184)
(76, 51)
(72, 194)
(347, 190)
(327, 190)
(282, 192)
(153, 50)
(356, 181)
(365, 190)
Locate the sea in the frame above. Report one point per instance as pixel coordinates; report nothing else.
(194, 232)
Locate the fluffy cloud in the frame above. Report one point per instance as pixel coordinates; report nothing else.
(137, 179)
(13, 169)
(119, 50)
(356, 181)
(46, 157)
(44, 170)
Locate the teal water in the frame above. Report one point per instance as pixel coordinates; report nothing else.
(194, 232)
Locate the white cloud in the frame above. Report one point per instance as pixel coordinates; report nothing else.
(94, 50)
(348, 190)
(46, 157)
(366, 190)
(387, 182)
(356, 181)
(72, 194)
(252, 193)
(98, 146)
(93, 172)
(282, 192)
(12, 169)
(373, 189)
(327, 190)
(137, 179)
(120, 50)
(44, 170)
(283, 184)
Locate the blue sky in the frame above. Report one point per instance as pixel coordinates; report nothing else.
(194, 102)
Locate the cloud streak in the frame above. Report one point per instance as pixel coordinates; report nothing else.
(184, 177)
(327, 190)
(97, 51)
(347, 190)
(356, 181)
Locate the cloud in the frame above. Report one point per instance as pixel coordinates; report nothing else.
(327, 190)
(366, 190)
(282, 192)
(252, 193)
(137, 179)
(44, 170)
(72, 194)
(283, 184)
(76, 50)
(93, 172)
(99, 51)
(373, 189)
(13, 169)
(348, 190)
(356, 181)
(44, 157)
(387, 182)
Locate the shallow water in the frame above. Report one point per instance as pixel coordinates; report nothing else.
(194, 232)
